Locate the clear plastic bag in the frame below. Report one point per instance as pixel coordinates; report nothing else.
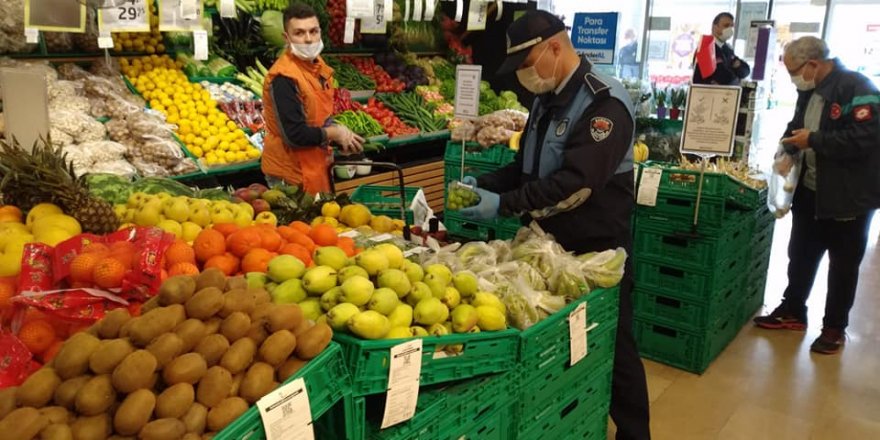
(463, 130)
(604, 269)
(494, 135)
(146, 126)
(783, 181)
(119, 167)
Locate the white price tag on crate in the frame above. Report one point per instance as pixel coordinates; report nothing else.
(200, 41)
(403, 383)
(105, 40)
(577, 331)
(648, 186)
(129, 16)
(348, 37)
(286, 412)
(31, 35)
(227, 8)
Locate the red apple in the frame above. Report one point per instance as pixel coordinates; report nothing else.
(246, 194)
(260, 205)
(236, 199)
(260, 189)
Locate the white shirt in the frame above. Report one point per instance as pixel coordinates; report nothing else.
(812, 119)
(565, 81)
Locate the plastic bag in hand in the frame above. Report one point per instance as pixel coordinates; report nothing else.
(783, 182)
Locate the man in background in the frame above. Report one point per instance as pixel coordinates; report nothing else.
(627, 59)
(729, 69)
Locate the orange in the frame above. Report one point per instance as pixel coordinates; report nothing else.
(297, 251)
(209, 243)
(270, 239)
(163, 275)
(37, 335)
(257, 260)
(96, 248)
(302, 240)
(324, 235)
(108, 273)
(225, 228)
(125, 256)
(301, 226)
(183, 268)
(123, 247)
(7, 291)
(285, 232)
(53, 350)
(243, 241)
(349, 250)
(8, 217)
(82, 266)
(179, 252)
(12, 212)
(227, 263)
(346, 242)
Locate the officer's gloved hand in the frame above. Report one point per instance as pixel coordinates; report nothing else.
(469, 180)
(487, 209)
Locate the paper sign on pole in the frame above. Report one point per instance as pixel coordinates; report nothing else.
(710, 120)
(467, 91)
(286, 412)
(403, 383)
(131, 16)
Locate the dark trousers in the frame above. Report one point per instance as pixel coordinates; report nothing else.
(845, 242)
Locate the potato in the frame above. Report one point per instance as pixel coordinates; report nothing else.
(278, 347)
(237, 282)
(109, 354)
(235, 326)
(38, 389)
(7, 400)
(196, 418)
(261, 296)
(177, 290)
(96, 396)
(212, 348)
(213, 325)
(257, 332)
(65, 394)
(108, 327)
(134, 412)
(236, 384)
(135, 372)
(214, 387)
(57, 431)
(313, 341)
(73, 359)
(150, 305)
(175, 401)
(211, 277)
(23, 424)
(191, 331)
(56, 414)
(290, 367)
(285, 317)
(187, 368)
(96, 427)
(205, 303)
(239, 356)
(237, 300)
(151, 325)
(165, 348)
(258, 381)
(225, 412)
(163, 429)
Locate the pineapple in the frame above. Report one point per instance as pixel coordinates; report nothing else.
(45, 175)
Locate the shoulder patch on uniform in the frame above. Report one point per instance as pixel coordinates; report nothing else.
(595, 83)
(600, 128)
(836, 111)
(862, 113)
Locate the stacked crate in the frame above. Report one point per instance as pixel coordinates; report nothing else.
(695, 286)
(477, 161)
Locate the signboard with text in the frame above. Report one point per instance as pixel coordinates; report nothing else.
(595, 35)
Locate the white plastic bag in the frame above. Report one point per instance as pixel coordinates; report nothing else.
(783, 181)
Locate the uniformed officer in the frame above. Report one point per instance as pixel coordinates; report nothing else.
(574, 176)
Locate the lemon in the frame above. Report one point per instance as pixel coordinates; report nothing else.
(331, 209)
(56, 221)
(196, 151)
(41, 210)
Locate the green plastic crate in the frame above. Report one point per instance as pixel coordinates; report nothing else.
(483, 353)
(469, 400)
(690, 351)
(753, 300)
(504, 228)
(675, 180)
(688, 314)
(759, 262)
(678, 211)
(745, 196)
(668, 242)
(689, 283)
(475, 154)
(385, 200)
(762, 238)
(565, 418)
(327, 382)
(496, 425)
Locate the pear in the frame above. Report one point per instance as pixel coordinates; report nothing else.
(330, 298)
(413, 271)
(372, 261)
(319, 279)
(399, 333)
(369, 325)
(438, 330)
(288, 292)
(418, 331)
(396, 280)
(401, 316)
(357, 291)
(430, 311)
(351, 271)
(464, 318)
(491, 319)
(392, 253)
(256, 280)
(488, 299)
(440, 270)
(311, 308)
(451, 298)
(419, 292)
(339, 315)
(437, 284)
(331, 256)
(466, 283)
(285, 267)
(384, 301)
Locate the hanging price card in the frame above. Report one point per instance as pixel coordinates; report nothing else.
(180, 15)
(227, 8)
(105, 40)
(417, 10)
(477, 15)
(376, 23)
(55, 15)
(129, 16)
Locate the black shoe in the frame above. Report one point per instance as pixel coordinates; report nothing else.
(829, 342)
(781, 319)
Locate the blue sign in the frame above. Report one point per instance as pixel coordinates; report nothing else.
(595, 34)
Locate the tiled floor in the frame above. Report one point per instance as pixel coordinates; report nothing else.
(767, 384)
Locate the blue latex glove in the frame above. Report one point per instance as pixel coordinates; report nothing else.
(469, 180)
(487, 209)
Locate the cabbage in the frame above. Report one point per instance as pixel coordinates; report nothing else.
(272, 28)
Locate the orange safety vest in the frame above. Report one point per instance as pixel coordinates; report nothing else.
(299, 165)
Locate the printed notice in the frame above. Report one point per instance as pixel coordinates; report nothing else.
(648, 186)
(577, 331)
(710, 120)
(403, 383)
(286, 412)
(467, 91)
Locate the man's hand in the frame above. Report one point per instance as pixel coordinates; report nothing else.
(737, 63)
(348, 141)
(800, 138)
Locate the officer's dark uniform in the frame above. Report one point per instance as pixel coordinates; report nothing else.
(725, 74)
(574, 176)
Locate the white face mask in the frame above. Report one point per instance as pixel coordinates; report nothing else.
(533, 82)
(307, 52)
(727, 34)
(802, 84)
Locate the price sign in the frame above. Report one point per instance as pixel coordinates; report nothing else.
(376, 23)
(130, 16)
(467, 91)
(55, 15)
(180, 15)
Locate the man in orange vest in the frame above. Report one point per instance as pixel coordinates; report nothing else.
(297, 105)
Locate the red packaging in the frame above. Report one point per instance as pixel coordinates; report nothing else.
(16, 361)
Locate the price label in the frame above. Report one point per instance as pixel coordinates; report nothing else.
(577, 331)
(54, 15)
(227, 8)
(403, 383)
(376, 23)
(648, 186)
(477, 15)
(360, 8)
(31, 35)
(429, 10)
(417, 10)
(105, 40)
(348, 36)
(200, 41)
(500, 11)
(286, 412)
(180, 15)
(459, 10)
(130, 16)
(467, 91)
